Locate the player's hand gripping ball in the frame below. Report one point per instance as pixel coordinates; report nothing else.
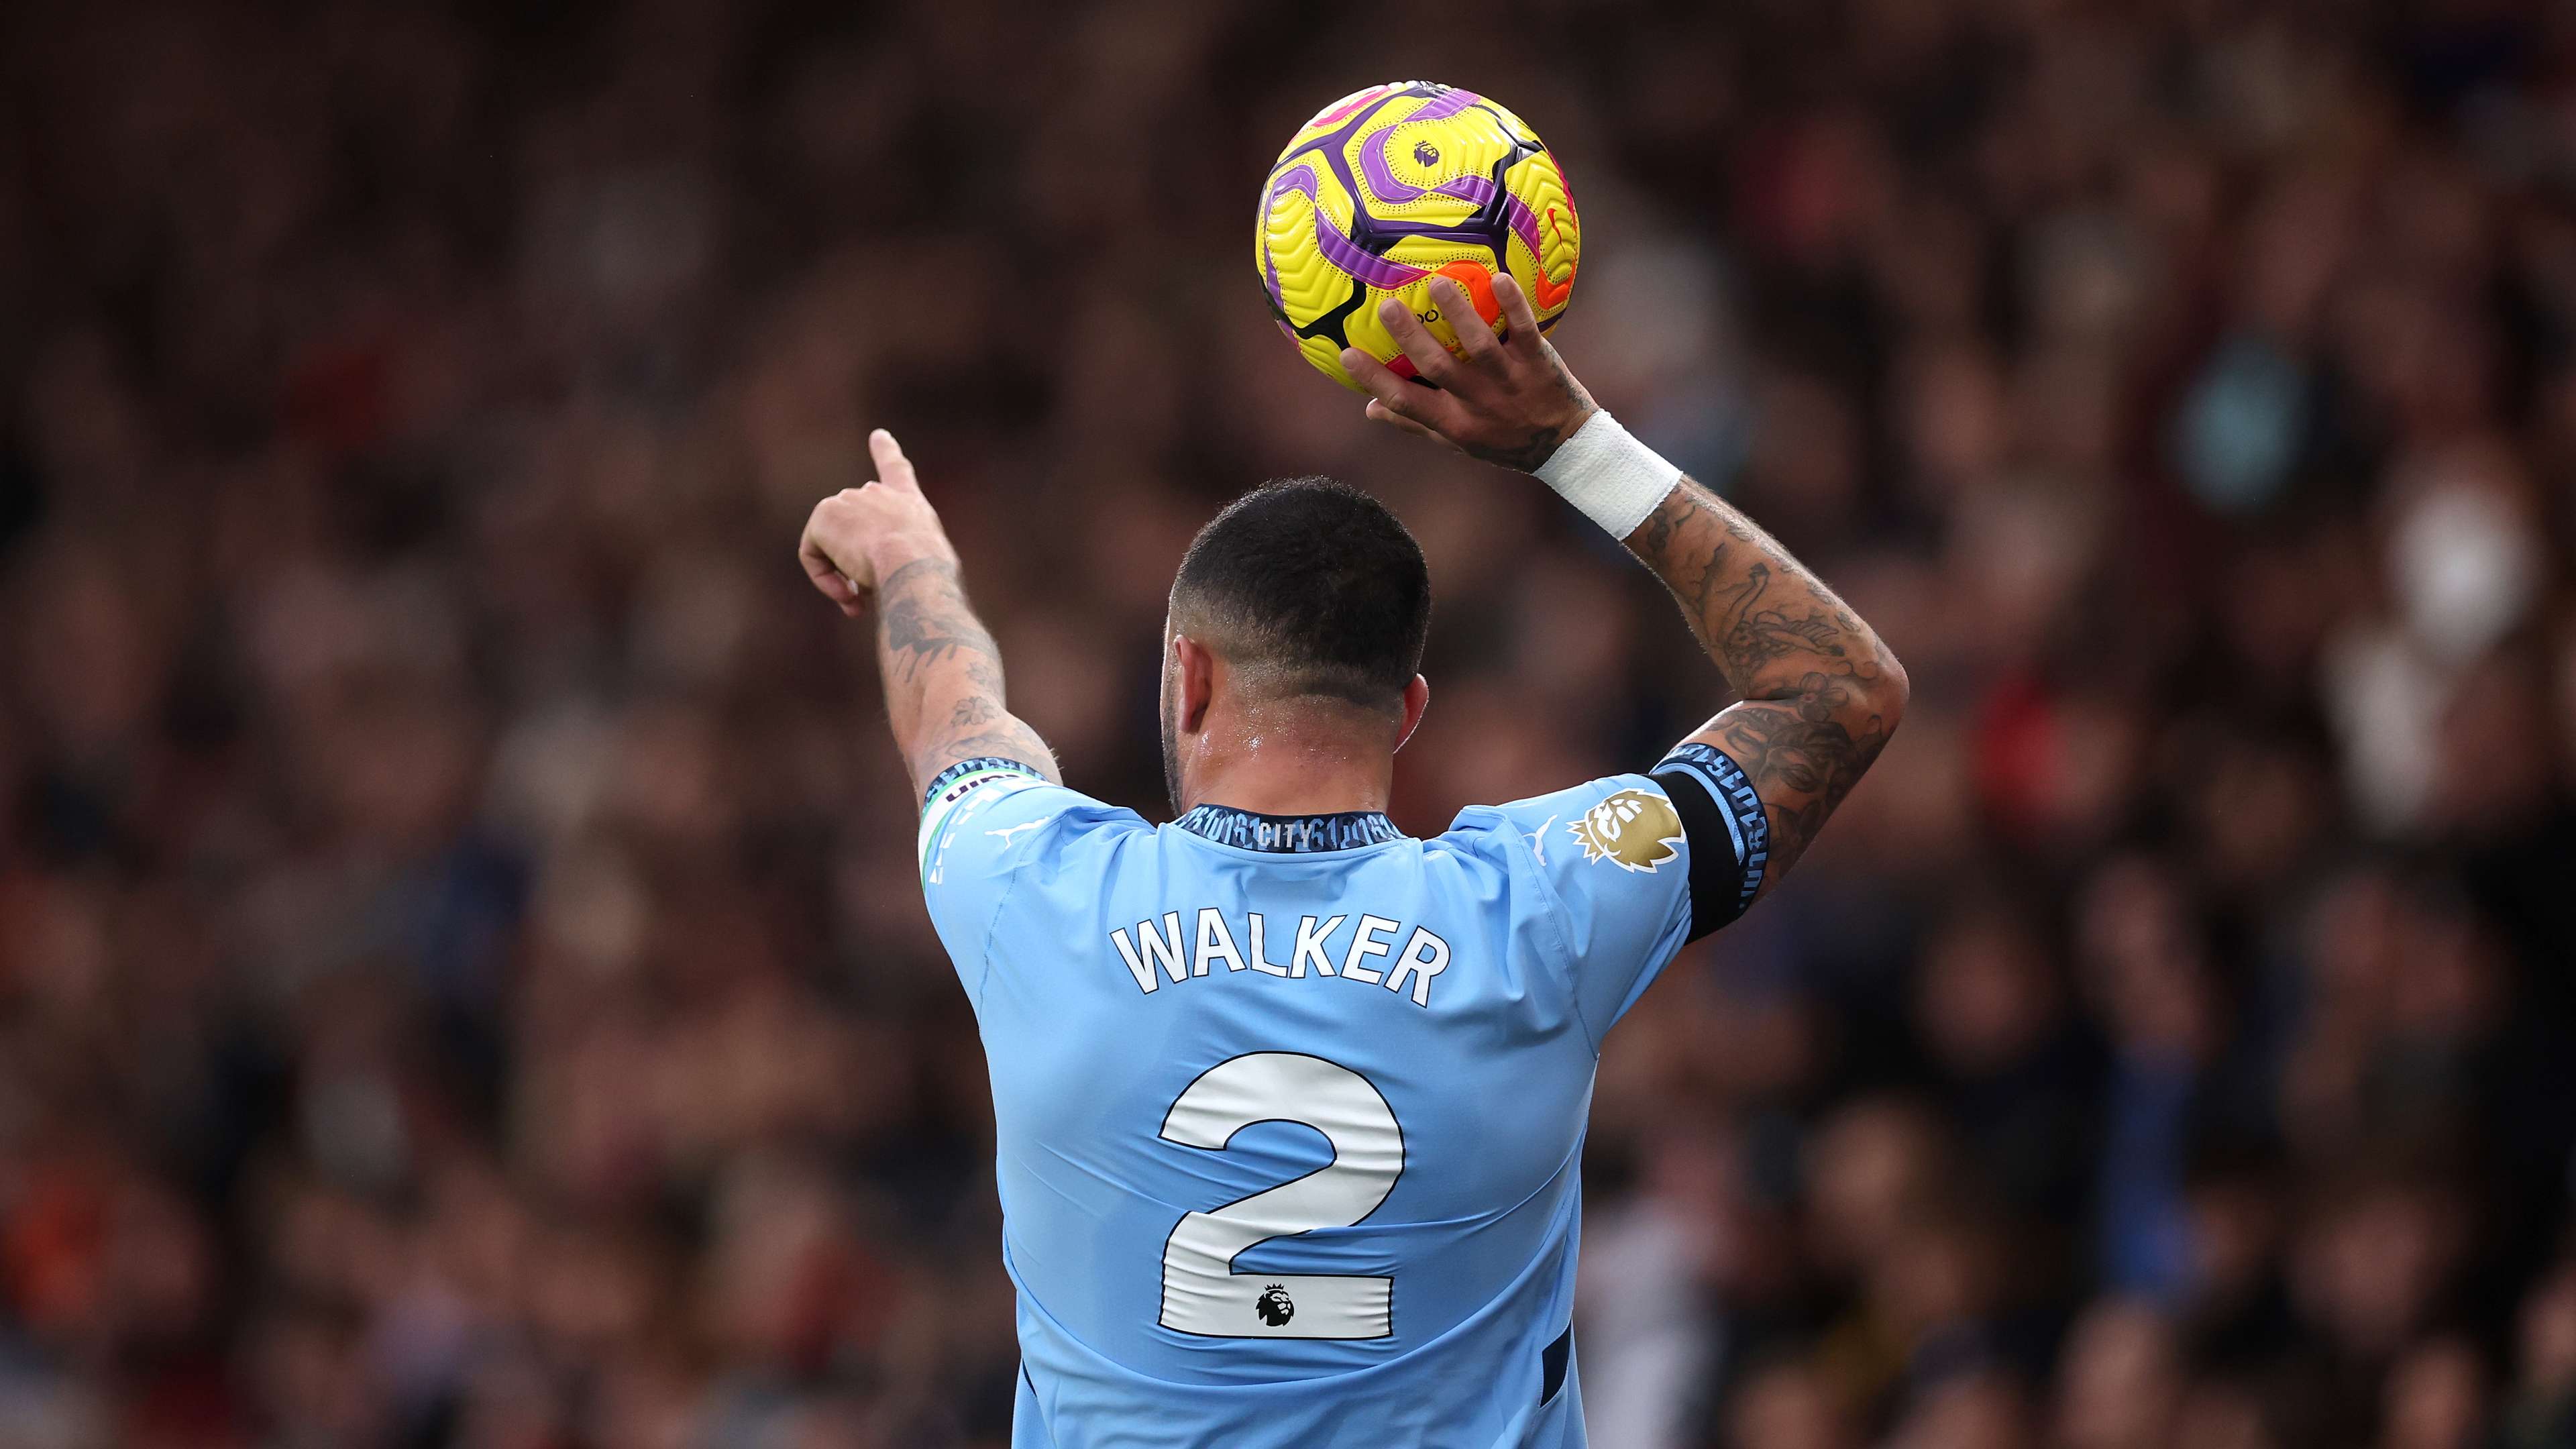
(1393, 186)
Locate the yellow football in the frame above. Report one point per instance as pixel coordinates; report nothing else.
(1388, 188)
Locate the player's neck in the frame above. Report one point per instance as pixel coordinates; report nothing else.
(1283, 763)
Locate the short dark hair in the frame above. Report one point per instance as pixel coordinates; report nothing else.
(1309, 586)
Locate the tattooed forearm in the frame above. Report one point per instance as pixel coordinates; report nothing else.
(943, 676)
(1821, 694)
(1763, 618)
(924, 619)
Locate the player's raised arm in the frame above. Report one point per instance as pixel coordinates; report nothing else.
(1821, 693)
(943, 673)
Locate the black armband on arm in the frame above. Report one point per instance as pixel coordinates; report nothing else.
(1730, 837)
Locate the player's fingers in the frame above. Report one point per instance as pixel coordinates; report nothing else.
(1431, 360)
(1379, 412)
(827, 577)
(1407, 400)
(1475, 337)
(893, 468)
(1517, 316)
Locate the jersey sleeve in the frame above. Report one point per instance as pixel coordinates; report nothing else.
(1633, 866)
(984, 820)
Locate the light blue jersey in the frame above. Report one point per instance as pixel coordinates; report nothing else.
(1290, 1110)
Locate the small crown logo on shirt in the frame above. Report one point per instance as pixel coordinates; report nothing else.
(1632, 829)
(1274, 1307)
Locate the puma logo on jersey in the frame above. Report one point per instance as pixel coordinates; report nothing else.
(1006, 832)
(1632, 829)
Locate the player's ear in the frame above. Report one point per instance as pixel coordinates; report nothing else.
(1194, 675)
(1417, 698)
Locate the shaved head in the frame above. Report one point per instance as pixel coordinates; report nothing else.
(1309, 587)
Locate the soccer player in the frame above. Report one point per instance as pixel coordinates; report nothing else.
(1289, 1103)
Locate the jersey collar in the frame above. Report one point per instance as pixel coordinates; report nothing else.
(1289, 834)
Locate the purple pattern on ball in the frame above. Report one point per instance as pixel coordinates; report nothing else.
(1448, 103)
(1379, 183)
(1381, 180)
(1482, 191)
(1338, 249)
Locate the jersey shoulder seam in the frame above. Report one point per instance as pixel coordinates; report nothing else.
(984, 949)
(1002, 898)
(1516, 851)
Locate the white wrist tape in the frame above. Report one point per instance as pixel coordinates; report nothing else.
(1605, 472)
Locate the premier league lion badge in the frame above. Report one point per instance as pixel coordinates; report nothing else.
(1633, 829)
(1274, 1307)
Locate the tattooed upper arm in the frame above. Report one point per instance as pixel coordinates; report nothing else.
(1802, 755)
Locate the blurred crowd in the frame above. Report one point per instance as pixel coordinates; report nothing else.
(462, 976)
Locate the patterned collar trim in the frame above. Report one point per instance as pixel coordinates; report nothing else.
(1289, 834)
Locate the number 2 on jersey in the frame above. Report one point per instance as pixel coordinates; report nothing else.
(1202, 1293)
